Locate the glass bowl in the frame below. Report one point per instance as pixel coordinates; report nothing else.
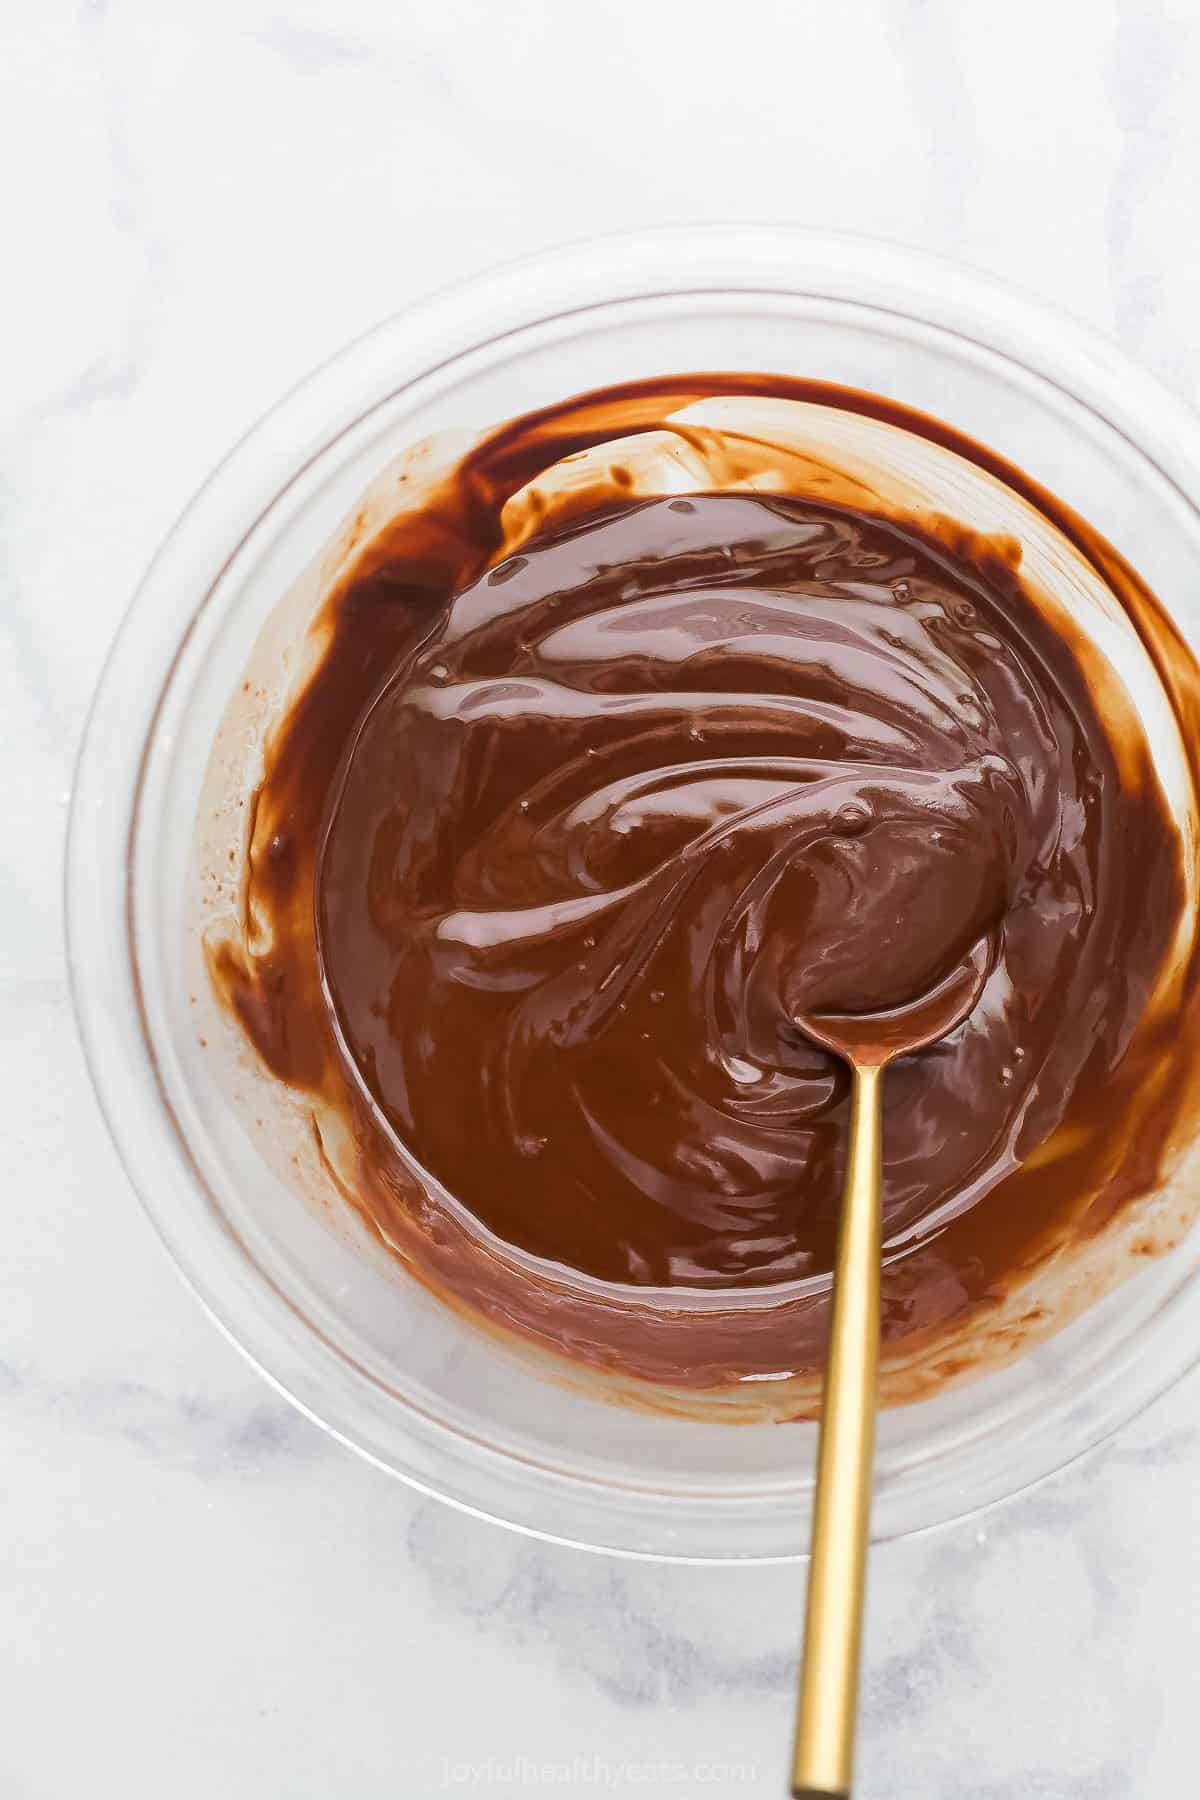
(330, 1320)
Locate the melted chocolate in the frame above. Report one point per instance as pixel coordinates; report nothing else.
(551, 854)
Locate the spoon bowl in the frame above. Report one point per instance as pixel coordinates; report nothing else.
(872, 1040)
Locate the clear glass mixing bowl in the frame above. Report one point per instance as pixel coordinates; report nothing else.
(333, 1323)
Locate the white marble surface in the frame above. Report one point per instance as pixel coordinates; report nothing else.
(199, 1594)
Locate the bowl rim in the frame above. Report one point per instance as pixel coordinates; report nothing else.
(107, 1000)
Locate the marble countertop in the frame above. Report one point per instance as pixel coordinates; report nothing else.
(201, 1594)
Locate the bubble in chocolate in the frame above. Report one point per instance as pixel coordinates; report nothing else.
(506, 570)
(852, 818)
(902, 591)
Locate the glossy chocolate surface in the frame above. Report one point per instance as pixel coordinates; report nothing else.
(552, 851)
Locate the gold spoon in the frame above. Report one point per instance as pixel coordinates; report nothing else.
(868, 1042)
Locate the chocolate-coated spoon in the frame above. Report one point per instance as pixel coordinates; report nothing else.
(868, 1042)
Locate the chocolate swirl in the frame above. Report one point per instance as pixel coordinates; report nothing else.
(589, 797)
(667, 780)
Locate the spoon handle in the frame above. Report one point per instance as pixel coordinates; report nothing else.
(825, 1724)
